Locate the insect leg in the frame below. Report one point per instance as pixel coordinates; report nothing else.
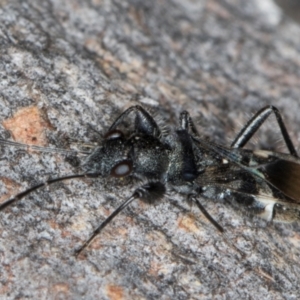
(207, 215)
(21, 195)
(187, 123)
(144, 122)
(254, 124)
(148, 192)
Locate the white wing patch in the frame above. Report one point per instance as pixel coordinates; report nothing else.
(269, 203)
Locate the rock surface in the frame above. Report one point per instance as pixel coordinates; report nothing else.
(67, 66)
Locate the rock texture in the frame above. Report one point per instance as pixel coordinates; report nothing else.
(69, 66)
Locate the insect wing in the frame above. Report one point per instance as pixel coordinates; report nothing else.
(283, 172)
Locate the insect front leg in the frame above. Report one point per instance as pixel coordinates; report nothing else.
(149, 192)
(189, 167)
(144, 122)
(254, 124)
(186, 123)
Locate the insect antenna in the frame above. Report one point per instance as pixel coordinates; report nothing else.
(21, 195)
(148, 192)
(39, 148)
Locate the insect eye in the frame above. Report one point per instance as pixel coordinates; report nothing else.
(113, 135)
(122, 169)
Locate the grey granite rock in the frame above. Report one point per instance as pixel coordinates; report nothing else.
(67, 66)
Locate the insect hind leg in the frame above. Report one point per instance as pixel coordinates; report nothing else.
(207, 215)
(254, 124)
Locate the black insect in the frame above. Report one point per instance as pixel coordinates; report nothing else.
(263, 182)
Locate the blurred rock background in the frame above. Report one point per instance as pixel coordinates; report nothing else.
(291, 8)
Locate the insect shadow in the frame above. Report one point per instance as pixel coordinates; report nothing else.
(263, 182)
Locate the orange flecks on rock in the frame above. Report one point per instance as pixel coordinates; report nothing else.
(11, 186)
(115, 292)
(54, 224)
(187, 223)
(295, 239)
(154, 269)
(27, 126)
(66, 233)
(160, 269)
(7, 270)
(60, 291)
(108, 237)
